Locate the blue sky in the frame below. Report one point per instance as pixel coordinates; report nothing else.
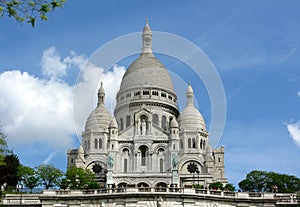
(254, 46)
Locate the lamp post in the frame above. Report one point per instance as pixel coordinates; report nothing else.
(20, 186)
(198, 172)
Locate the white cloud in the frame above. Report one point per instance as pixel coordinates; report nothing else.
(299, 93)
(40, 110)
(294, 130)
(35, 110)
(85, 94)
(54, 67)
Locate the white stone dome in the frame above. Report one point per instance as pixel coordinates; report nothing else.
(147, 70)
(100, 118)
(190, 118)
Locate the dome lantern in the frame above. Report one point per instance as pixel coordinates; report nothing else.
(101, 95)
(147, 38)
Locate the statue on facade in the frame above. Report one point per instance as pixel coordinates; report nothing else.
(159, 202)
(143, 126)
(110, 162)
(174, 161)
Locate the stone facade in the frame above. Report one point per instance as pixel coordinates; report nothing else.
(148, 142)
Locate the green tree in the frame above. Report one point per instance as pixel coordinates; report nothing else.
(216, 186)
(29, 10)
(3, 146)
(63, 183)
(245, 185)
(284, 183)
(48, 175)
(229, 187)
(9, 171)
(79, 178)
(28, 177)
(263, 181)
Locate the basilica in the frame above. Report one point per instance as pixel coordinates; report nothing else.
(148, 142)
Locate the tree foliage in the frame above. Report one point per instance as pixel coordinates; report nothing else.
(3, 146)
(216, 186)
(48, 175)
(262, 181)
(29, 10)
(229, 187)
(28, 176)
(78, 178)
(9, 171)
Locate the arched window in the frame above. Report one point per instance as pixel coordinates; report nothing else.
(88, 144)
(161, 165)
(204, 144)
(143, 150)
(127, 121)
(85, 145)
(181, 144)
(189, 143)
(96, 143)
(121, 124)
(100, 143)
(125, 165)
(194, 143)
(155, 119)
(201, 143)
(164, 122)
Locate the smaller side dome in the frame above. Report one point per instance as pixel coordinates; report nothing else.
(113, 123)
(100, 118)
(190, 118)
(174, 123)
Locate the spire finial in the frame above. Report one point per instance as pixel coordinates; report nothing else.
(147, 38)
(101, 94)
(189, 83)
(190, 95)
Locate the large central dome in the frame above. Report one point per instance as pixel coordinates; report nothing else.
(147, 70)
(146, 85)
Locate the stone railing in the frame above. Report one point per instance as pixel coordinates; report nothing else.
(18, 200)
(280, 198)
(34, 199)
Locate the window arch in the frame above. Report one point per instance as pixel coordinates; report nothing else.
(161, 165)
(88, 144)
(96, 143)
(164, 122)
(155, 119)
(144, 151)
(100, 143)
(193, 143)
(189, 142)
(125, 165)
(121, 124)
(127, 121)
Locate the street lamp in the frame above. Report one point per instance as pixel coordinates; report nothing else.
(20, 186)
(198, 172)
